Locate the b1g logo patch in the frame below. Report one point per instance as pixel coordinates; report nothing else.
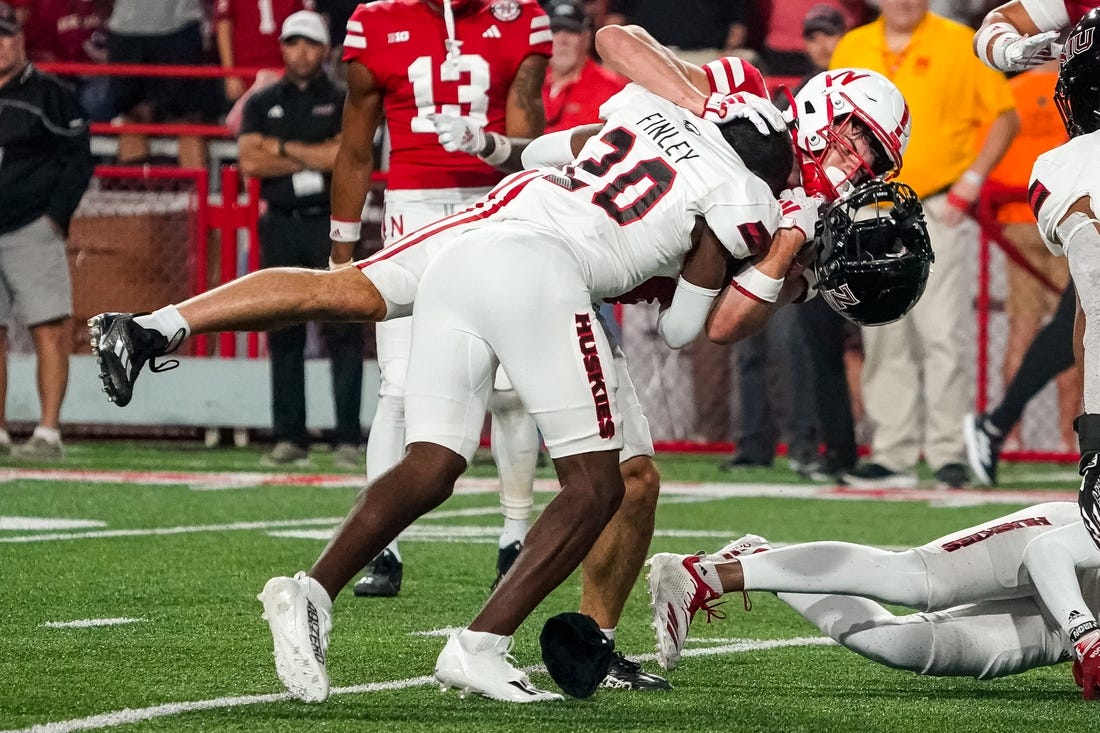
(504, 10)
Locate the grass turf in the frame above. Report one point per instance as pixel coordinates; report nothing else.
(200, 638)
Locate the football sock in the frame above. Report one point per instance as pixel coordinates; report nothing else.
(168, 321)
(610, 634)
(386, 443)
(840, 567)
(514, 531)
(515, 447)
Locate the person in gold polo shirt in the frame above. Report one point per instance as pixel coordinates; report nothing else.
(917, 374)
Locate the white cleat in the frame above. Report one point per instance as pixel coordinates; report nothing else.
(479, 662)
(750, 544)
(299, 612)
(676, 592)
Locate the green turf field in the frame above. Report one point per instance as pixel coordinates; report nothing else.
(177, 560)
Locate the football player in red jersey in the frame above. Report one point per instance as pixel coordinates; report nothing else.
(483, 83)
(247, 33)
(407, 61)
(1018, 35)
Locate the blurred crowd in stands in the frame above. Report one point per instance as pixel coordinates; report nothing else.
(245, 34)
(789, 41)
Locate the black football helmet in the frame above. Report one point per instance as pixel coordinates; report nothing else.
(1077, 93)
(874, 254)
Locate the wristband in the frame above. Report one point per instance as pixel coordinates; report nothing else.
(344, 231)
(1002, 35)
(757, 285)
(957, 201)
(974, 178)
(333, 265)
(502, 148)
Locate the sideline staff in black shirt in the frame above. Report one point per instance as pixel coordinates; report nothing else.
(289, 139)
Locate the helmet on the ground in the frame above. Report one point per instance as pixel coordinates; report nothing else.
(874, 255)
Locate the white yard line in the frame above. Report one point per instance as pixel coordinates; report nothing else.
(91, 623)
(138, 715)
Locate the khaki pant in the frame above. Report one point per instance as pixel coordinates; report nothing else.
(918, 374)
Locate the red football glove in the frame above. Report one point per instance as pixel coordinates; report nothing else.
(1086, 668)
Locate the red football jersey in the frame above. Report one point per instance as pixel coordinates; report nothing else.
(66, 30)
(1077, 9)
(402, 43)
(256, 27)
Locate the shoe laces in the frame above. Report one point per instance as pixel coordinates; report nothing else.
(168, 364)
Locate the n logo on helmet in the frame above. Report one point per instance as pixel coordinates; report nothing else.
(840, 298)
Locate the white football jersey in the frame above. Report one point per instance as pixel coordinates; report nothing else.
(627, 206)
(1060, 177)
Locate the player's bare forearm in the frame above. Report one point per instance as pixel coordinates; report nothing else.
(634, 53)
(354, 162)
(736, 315)
(524, 116)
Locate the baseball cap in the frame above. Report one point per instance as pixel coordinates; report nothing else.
(567, 15)
(823, 19)
(9, 26)
(307, 24)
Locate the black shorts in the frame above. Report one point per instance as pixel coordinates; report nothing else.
(172, 98)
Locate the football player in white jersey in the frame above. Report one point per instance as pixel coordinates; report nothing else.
(1063, 193)
(1017, 592)
(633, 187)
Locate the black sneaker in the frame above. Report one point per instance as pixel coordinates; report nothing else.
(742, 460)
(505, 557)
(382, 577)
(983, 447)
(952, 476)
(876, 476)
(122, 348)
(626, 674)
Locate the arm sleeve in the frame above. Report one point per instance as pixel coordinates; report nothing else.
(1048, 15)
(682, 321)
(70, 127)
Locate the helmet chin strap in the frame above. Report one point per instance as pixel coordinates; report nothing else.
(449, 71)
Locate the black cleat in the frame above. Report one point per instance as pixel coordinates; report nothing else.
(122, 348)
(505, 557)
(983, 447)
(382, 577)
(626, 674)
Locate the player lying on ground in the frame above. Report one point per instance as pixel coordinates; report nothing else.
(1017, 592)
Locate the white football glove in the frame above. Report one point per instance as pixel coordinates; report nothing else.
(764, 115)
(458, 134)
(799, 210)
(1020, 53)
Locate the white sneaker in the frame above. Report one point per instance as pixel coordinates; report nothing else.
(299, 612)
(479, 662)
(750, 544)
(676, 592)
